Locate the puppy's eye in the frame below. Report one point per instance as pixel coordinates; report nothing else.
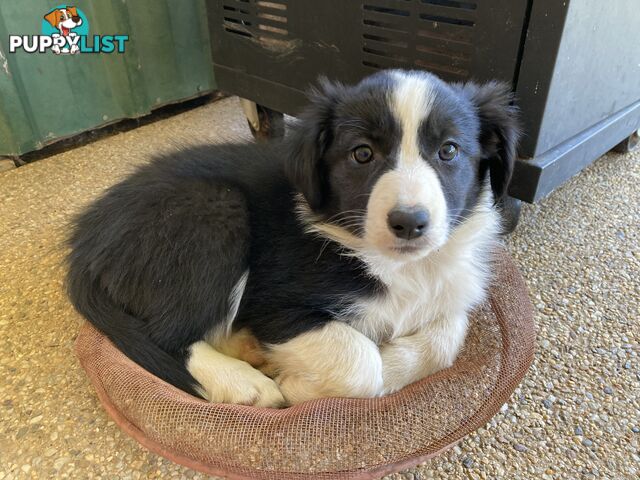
(362, 154)
(448, 151)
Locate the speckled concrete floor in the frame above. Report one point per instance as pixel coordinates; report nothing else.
(576, 415)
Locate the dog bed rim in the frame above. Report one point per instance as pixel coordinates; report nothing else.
(138, 435)
(132, 430)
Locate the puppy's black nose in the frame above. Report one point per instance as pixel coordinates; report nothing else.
(408, 223)
(76, 19)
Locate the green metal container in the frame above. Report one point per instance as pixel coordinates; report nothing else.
(45, 97)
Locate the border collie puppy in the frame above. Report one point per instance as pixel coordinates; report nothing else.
(340, 262)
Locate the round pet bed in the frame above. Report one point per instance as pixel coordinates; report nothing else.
(334, 438)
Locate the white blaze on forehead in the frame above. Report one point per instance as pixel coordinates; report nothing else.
(412, 182)
(411, 101)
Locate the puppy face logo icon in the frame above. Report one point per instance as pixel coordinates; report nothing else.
(64, 20)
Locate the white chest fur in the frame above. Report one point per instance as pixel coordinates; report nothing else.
(444, 285)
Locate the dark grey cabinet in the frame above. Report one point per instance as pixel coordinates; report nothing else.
(574, 64)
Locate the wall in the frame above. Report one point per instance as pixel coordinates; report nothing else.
(46, 97)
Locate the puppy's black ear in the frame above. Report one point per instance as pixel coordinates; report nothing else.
(309, 141)
(499, 131)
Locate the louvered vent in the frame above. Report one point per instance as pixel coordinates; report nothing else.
(435, 35)
(263, 20)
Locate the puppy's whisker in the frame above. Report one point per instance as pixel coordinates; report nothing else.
(357, 221)
(459, 218)
(350, 224)
(367, 195)
(344, 214)
(322, 249)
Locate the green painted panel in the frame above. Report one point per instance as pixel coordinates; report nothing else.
(46, 97)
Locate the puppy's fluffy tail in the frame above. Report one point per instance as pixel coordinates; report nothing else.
(127, 333)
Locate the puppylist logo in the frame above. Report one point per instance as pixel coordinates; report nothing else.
(65, 31)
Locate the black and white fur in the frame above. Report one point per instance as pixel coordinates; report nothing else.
(288, 248)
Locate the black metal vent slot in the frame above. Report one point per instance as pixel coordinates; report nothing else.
(436, 35)
(387, 40)
(237, 17)
(229, 8)
(371, 22)
(386, 10)
(452, 4)
(450, 20)
(260, 19)
(439, 14)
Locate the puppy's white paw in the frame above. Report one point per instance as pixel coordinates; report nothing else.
(229, 380)
(333, 361)
(310, 386)
(408, 359)
(302, 388)
(244, 385)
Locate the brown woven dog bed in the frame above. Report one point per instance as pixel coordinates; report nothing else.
(334, 438)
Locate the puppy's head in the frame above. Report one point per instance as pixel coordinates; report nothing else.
(66, 17)
(392, 164)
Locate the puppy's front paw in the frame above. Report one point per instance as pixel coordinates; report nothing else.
(229, 380)
(333, 361)
(408, 359)
(296, 389)
(302, 387)
(246, 386)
